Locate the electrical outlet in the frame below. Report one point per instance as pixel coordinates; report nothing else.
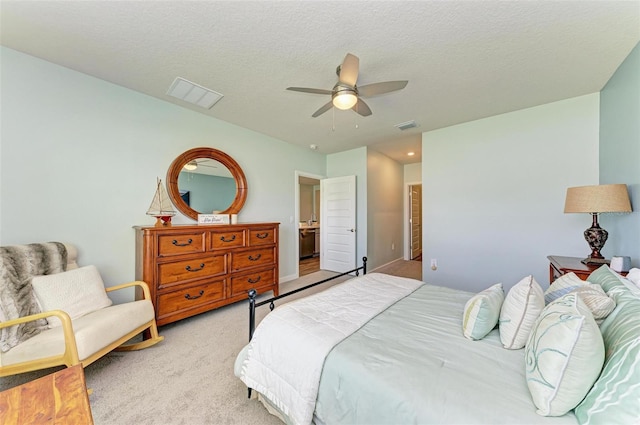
(434, 264)
(393, 246)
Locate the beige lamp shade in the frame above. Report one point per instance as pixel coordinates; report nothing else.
(604, 198)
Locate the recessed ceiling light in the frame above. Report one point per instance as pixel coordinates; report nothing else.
(411, 153)
(193, 93)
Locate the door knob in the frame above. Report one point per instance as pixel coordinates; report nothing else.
(352, 230)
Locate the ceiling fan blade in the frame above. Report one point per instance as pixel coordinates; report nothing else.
(381, 88)
(308, 90)
(362, 108)
(349, 70)
(323, 109)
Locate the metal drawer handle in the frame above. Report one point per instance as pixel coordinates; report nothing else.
(252, 258)
(189, 297)
(262, 235)
(254, 280)
(233, 238)
(189, 269)
(175, 242)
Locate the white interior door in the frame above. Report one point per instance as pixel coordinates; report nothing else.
(415, 192)
(338, 228)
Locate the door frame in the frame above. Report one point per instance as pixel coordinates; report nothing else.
(296, 216)
(407, 216)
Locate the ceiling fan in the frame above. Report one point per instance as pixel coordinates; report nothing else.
(346, 94)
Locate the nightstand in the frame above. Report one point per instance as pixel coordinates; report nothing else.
(562, 265)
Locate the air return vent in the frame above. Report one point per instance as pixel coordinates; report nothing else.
(194, 93)
(406, 125)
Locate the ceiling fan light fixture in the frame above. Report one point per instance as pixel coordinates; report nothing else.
(345, 98)
(191, 165)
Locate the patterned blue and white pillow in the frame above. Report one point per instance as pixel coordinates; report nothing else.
(562, 286)
(614, 398)
(564, 356)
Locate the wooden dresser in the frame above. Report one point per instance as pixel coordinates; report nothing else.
(191, 269)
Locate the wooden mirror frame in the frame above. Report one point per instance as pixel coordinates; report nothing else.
(176, 167)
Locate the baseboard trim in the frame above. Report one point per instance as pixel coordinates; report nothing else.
(388, 264)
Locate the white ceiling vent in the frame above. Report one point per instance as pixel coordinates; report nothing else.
(406, 125)
(193, 93)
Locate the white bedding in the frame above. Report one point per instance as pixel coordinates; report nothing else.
(403, 361)
(285, 357)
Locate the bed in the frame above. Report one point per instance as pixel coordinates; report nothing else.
(384, 349)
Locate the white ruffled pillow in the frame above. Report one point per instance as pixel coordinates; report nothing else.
(634, 276)
(482, 311)
(564, 356)
(594, 297)
(520, 309)
(76, 292)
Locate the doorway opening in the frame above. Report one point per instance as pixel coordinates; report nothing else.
(413, 250)
(309, 225)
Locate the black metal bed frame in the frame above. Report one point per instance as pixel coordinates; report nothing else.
(253, 294)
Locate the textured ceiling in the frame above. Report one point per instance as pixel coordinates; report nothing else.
(464, 60)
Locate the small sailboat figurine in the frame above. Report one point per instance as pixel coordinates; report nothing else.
(161, 208)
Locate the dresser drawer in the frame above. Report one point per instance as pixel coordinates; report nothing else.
(195, 268)
(252, 258)
(265, 236)
(257, 280)
(188, 243)
(188, 298)
(227, 239)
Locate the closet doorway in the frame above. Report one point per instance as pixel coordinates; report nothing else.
(414, 222)
(309, 222)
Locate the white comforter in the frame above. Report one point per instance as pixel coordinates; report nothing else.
(310, 328)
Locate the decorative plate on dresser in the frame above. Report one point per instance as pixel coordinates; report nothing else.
(191, 269)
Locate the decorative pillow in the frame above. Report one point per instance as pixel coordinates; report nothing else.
(562, 286)
(564, 356)
(520, 309)
(634, 276)
(614, 397)
(77, 292)
(482, 311)
(596, 300)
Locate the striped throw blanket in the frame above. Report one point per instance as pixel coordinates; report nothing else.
(18, 264)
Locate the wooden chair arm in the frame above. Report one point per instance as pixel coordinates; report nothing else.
(67, 329)
(143, 285)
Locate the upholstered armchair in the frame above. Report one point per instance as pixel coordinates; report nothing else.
(65, 316)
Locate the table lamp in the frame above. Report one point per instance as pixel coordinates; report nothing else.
(595, 200)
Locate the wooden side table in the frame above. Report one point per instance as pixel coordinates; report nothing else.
(559, 265)
(58, 398)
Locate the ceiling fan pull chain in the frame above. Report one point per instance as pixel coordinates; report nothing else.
(333, 119)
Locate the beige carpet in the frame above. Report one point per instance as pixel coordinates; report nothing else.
(188, 378)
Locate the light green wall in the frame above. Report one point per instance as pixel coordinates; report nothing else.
(80, 157)
(494, 189)
(620, 154)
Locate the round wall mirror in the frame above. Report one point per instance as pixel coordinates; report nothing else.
(206, 181)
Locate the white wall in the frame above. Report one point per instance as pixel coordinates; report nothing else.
(80, 158)
(413, 173)
(494, 193)
(385, 180)
(350, 163)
